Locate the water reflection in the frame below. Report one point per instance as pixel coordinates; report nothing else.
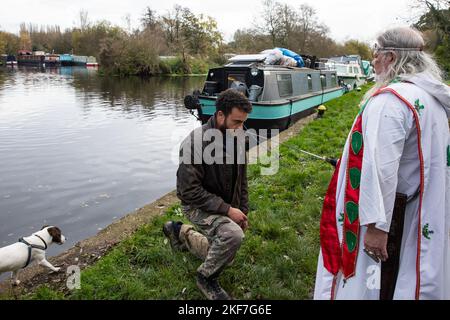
(78, 150)
(136, 94)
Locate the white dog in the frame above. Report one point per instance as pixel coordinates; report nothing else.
(29, 249)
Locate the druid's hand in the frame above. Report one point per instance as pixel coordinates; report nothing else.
(375, 242)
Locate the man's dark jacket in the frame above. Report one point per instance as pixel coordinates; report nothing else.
(208, 187)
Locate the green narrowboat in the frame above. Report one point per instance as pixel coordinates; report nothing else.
(280, 95)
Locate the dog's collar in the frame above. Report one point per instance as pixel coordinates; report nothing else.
(33, 246)
(45, 243)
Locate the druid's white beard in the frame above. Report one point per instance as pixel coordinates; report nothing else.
(381, 78)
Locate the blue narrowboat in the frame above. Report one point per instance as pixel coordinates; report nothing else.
(280, 95)
(66, 60)
(79, 60)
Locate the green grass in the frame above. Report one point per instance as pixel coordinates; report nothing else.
(278, 257)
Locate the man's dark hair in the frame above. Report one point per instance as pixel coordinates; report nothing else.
(230, 99)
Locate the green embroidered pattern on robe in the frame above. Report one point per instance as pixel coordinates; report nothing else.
(355, 178)
(357, 142)
(341, 218)
(426, 232)
(419, 107)
(350, 239)
(448, 156)
(352, 211)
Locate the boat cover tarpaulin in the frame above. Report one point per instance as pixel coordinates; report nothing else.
(293, 55)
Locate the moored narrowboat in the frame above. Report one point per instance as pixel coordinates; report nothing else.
(280, 95)
(79, 60)
(84, 61)
(66, 60)
(8, 60)
(52, 60)
(351, 70)
(91, 62)
(29, 58)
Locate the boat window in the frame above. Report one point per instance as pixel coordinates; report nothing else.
(349, 69)
(284, 84)
(341, 69)
(355, 70)
(310, 86)
(323, 80)
(232, 77)
(333, 80)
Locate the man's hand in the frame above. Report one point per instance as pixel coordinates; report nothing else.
(244, 225)
(375, 242)
(239, 217)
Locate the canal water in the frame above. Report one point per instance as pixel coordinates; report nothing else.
(80, 151)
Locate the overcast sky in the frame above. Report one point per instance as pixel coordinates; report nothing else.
(356, 19)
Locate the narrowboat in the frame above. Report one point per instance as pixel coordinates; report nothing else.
(85, 61)
(280, 95)
(52, 60)
(91, 62)
(8, 60)
(66, 60)
(29, 58)
(351, 70)
(79, 60)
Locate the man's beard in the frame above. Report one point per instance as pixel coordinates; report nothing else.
(223, 128)
(381, 78)
(225, 131)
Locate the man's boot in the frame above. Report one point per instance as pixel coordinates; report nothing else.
(171, 230)
(211, 288)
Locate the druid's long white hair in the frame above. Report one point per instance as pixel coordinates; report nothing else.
(406, 63)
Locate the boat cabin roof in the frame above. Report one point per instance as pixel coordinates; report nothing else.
(258, 61)
(248, 58)
(265, 67)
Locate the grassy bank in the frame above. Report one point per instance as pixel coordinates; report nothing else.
(278, 257)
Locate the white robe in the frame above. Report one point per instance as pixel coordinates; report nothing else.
(391, 164)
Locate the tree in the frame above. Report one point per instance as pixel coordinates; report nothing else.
(84, 19)
(172, 25)
(25, 39)
(435, 24)
(127, 19)
(358, 48)
(269, 23)
(282, 25)
(149, 19)
(9, 43)
(308, 24)
(189, 34)
(436, 18)
(200, 33)
(3, 42)
(287, 22)
(249, 41)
